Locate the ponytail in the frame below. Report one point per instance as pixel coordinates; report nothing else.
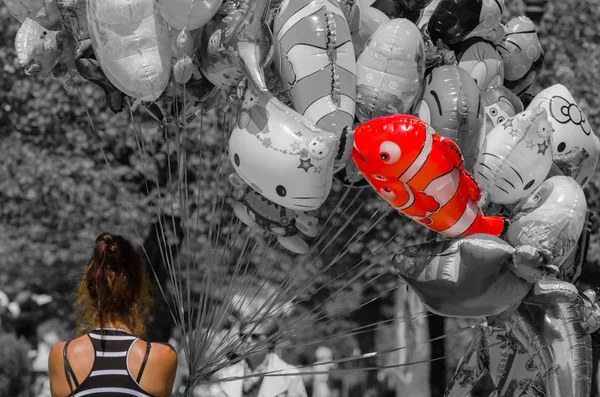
(115, 286)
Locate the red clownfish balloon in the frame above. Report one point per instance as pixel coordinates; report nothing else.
(421, 174)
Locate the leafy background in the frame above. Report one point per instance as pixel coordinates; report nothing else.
(64, 179)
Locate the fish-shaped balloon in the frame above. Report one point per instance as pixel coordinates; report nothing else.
(452, 104)
(281, 154)
(421, 174)
(573, 137)
(390, 70)
(315, 61)
(516, 157)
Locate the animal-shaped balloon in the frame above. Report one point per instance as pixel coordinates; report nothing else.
(466, 277)
(574, 139)
(390, 70)
(262, 214)
(44, 12)
(455, 20)
(315, 60)
(500, 105)
(482, 61)
(39, 49)
(421, 174)
(550, 219)
(452, 104)
(516, 157)
(235, 46)
(188, 14)
(281, 154)
(131, 42)
(522, 54)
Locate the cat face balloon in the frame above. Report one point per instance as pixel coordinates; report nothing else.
(574, 138)
(516, 157)
(551, 218)
(281, 154)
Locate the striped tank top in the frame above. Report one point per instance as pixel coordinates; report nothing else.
(110, 376)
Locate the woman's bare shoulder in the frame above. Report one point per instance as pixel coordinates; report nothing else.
(164, 351)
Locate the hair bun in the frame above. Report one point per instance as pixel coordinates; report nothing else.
(105, 238)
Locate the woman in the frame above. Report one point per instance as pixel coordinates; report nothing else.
(110, 359)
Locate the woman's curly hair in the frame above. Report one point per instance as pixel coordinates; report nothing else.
(114, 288)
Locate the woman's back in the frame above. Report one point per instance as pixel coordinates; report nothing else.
(112, 362)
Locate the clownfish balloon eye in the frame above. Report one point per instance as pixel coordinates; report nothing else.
(389, 152)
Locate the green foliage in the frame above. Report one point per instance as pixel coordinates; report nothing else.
(65, 177)
(14, 367)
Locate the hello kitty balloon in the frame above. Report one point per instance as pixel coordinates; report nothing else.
(573, 136)
(281, 154)
(515, 158)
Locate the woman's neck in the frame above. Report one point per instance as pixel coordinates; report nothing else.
(114, 324)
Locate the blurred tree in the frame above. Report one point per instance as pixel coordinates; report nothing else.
(15, 372)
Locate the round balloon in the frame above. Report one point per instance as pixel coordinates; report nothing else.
(522, 54)
(550, 219)
(131, 42)
(394, 9)
(390, 70)
(455, 20)
(573, 137)
(452, 104)
(281, 154)
(516, 157)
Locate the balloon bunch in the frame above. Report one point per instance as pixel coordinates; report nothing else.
(423, 101)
